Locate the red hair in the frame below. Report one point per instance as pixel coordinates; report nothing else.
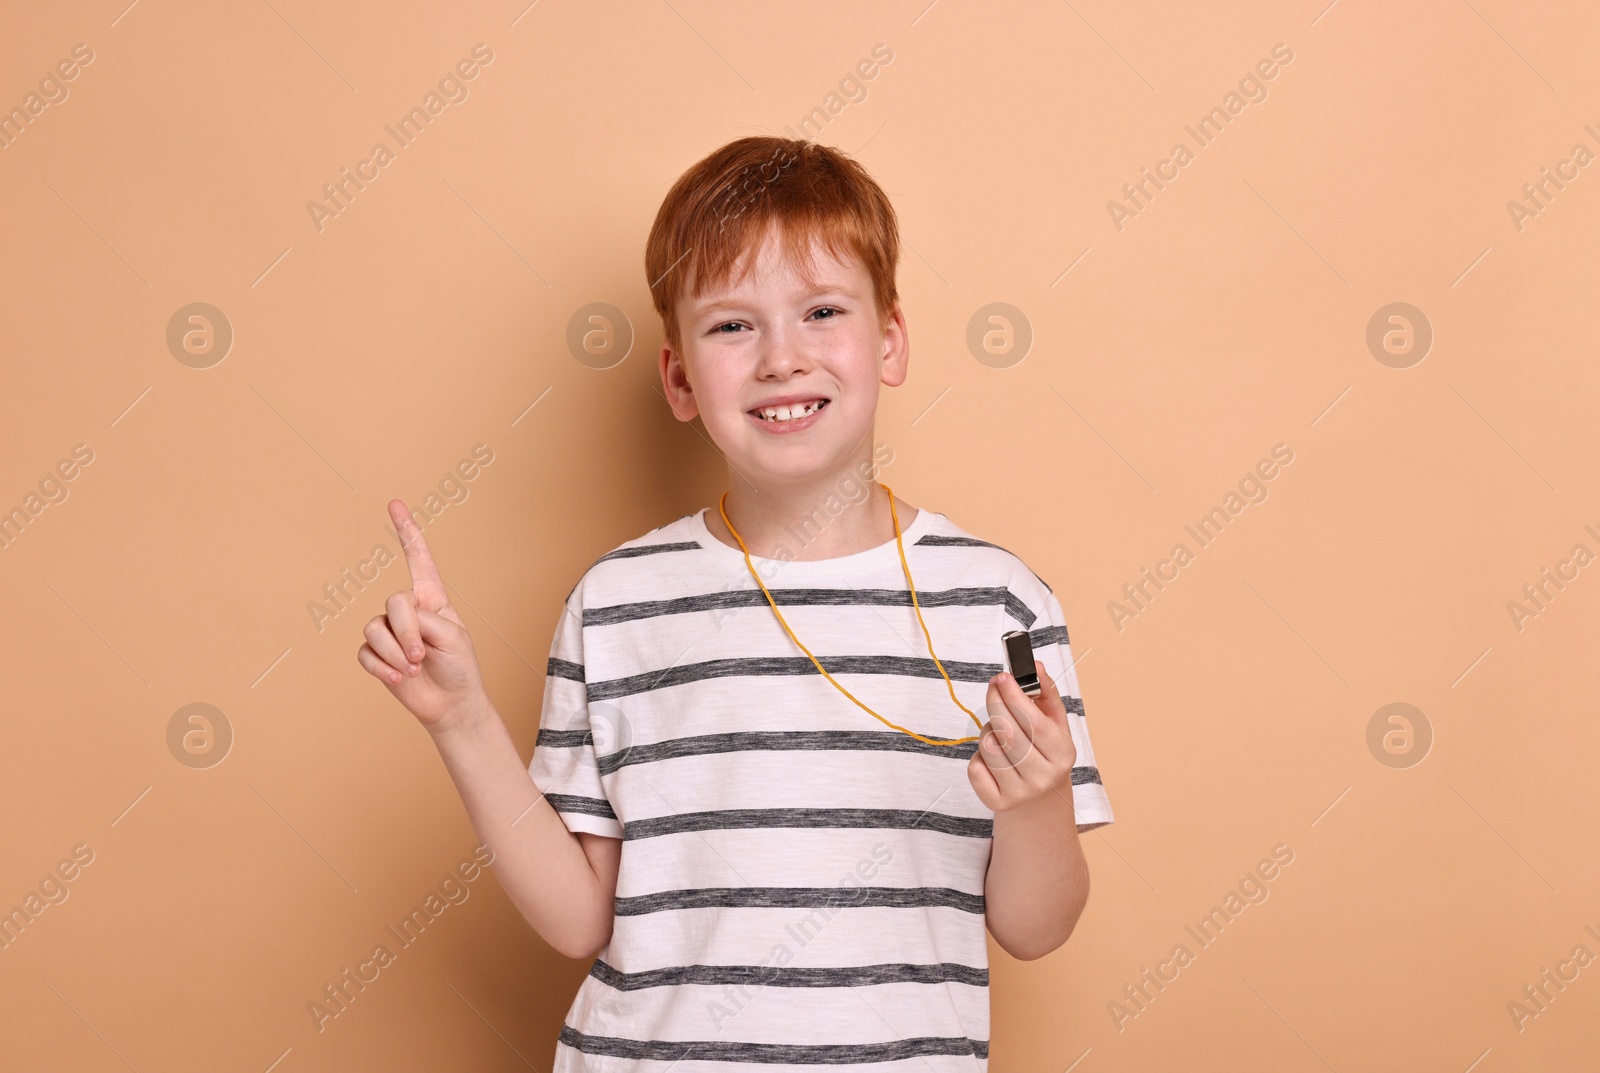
(722, 207)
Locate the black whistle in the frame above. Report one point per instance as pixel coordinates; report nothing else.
(1019, 654)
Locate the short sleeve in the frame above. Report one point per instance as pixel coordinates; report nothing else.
(1052, 649)
(566, 765)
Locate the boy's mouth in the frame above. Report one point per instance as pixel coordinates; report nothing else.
(789, 412)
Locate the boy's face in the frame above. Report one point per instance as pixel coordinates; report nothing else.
(773, 341)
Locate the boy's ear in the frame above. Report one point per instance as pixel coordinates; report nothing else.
(896, 347)
(675, 383)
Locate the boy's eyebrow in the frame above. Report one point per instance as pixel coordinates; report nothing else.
(712, 307)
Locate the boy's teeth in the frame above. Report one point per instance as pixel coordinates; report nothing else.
(789, 413)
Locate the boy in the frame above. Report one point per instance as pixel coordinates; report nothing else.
(756, 793)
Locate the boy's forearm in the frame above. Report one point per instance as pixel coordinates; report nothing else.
(1038, 879)
(540, 863)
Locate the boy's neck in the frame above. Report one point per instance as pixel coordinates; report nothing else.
(798, 521)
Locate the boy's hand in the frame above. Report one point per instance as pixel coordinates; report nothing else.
(440, 681)
(1025, 752)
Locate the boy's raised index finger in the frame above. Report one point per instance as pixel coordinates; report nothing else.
(425, 578)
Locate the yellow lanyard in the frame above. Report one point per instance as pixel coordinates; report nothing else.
(721, 507)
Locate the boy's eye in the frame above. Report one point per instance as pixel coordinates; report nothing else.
(726, 324)
(827, 309)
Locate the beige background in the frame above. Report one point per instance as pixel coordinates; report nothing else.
(1229, 716)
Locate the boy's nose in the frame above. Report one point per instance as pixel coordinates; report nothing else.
(782, 354)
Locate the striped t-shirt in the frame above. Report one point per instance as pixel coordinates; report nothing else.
(800, 886)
